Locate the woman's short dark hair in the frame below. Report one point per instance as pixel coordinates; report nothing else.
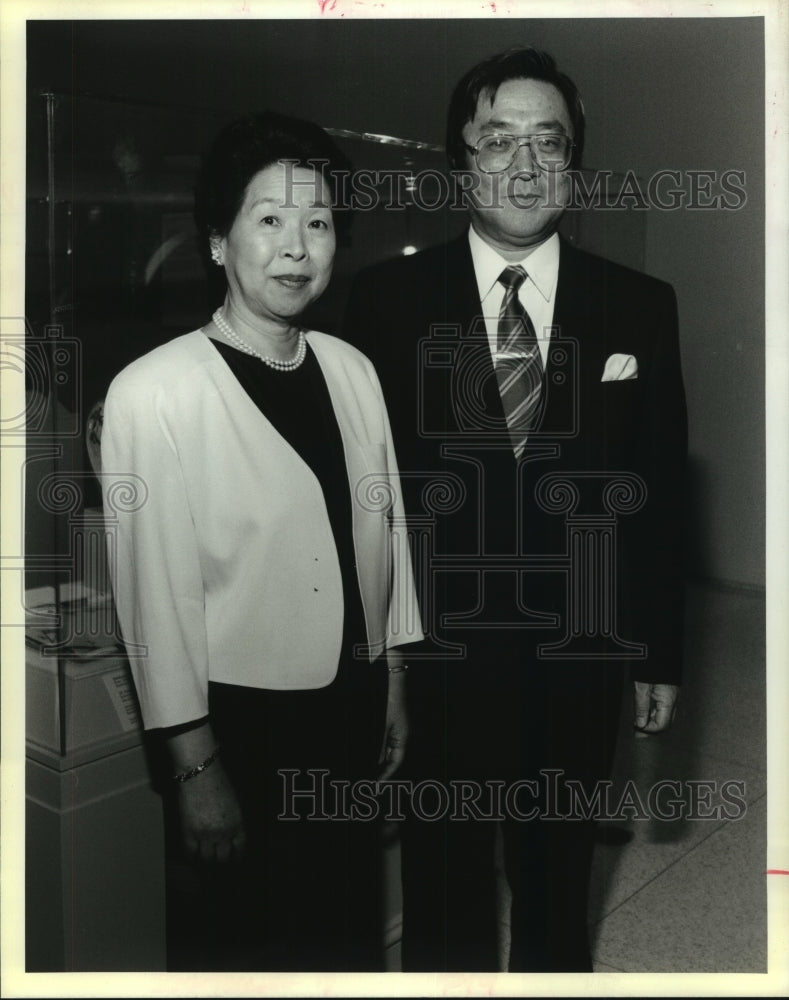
(249, 145)
(486, 77)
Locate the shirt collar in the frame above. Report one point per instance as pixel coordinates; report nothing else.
(542, 265)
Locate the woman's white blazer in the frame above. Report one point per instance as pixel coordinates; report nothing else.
(221, 553)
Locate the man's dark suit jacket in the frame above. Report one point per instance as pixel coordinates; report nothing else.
(612, 452)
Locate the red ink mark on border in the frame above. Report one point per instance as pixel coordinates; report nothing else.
(776, 871)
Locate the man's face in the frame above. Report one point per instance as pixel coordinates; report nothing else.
(520, 207)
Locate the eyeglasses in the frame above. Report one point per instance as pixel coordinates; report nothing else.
(549, 150)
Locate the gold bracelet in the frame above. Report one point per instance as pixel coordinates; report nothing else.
(398, 669)
(186, 775)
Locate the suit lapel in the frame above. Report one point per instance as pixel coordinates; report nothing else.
(577, 340)
(480, 389)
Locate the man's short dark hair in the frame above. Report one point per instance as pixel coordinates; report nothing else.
(486, 77)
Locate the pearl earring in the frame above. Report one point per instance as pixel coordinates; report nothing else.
(216, 254)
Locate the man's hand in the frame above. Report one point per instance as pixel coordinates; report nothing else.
(655, 706)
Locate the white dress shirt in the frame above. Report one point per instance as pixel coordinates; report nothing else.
(537, 293)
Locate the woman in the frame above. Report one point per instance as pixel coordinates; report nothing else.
(263, 582)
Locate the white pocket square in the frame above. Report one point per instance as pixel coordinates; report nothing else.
(619, 367)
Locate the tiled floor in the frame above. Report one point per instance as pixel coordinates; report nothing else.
(688, 894)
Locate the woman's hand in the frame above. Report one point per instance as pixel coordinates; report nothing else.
(211, 823)
(396, 726)
(212, 826)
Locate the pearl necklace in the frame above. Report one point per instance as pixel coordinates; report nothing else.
(281, 366)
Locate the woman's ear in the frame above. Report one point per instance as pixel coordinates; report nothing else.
(217, 254)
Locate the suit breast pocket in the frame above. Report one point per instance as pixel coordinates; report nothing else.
(623, 393)
(620, 405)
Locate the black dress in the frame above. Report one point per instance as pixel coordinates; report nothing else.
(308, 895)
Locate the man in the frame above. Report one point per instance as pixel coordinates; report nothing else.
(538, 412)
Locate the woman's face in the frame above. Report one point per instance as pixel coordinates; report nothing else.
(279, 252)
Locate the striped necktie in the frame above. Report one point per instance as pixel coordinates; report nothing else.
(518, 364)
